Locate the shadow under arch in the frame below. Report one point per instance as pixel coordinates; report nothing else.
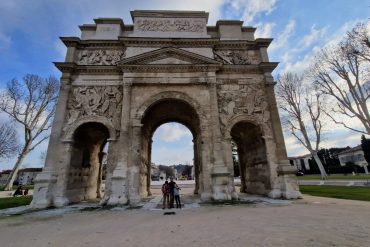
(84, 176)
(161, 111)
(252, 156)
(70, 131)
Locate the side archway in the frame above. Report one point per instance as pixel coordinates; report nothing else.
(252, 156)
(71, 130)
(85, 171)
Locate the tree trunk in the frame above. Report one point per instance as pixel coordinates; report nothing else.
(319, 164)
(18, 163)
(366, 170)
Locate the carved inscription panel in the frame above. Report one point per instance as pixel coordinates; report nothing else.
(170, 25)
(87, 101)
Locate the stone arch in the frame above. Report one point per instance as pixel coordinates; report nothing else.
(249, 135)
(69, 132)
(155, 112)
(169, 95)
(266, 133)
(85, 170)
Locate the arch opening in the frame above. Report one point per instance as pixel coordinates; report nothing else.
(162, 112)
(252, 158)
(86, 170)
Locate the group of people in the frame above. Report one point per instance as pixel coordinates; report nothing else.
(20, 192)
(171, 193)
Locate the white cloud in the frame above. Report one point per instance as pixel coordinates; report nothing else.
(313, 36)
(252, 8)
(264, 30)
(171, 132)
(5, 41)
(172, 156)
(283, 38)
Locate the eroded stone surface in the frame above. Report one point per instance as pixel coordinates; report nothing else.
(120, 82)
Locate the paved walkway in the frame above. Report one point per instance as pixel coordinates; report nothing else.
(312, 222)
(335, 182)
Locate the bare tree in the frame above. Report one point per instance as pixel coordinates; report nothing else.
(303, 113)
(31, 104)
(342, 72)
(8, 140)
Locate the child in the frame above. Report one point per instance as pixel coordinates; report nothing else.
(176, 193)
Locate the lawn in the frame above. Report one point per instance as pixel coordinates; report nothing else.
(342, 192)
(28, 186)
(11, 202)
(333, 177)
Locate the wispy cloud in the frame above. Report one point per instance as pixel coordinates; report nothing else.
(282, 39)
(264, 30)
(313, 36)
(171, 132)
(252, 8)
(5, 41)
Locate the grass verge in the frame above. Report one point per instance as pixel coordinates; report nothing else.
(333, 177)
(11, 202)
(341, 192)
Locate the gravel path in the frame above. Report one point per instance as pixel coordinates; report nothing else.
(314, 221)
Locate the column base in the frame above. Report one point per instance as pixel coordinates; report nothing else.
(42, 197)
(118, 194)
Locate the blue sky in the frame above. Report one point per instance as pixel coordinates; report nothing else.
(29, 43)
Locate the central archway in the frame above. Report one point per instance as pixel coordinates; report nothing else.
(160, 112)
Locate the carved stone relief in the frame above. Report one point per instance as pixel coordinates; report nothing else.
(236, 57)
(100, 57)
(170, 25)
(249, 99)
(104, 101)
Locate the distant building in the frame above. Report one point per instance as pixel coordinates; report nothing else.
(301, 163)
(25, 176)
(354, 155)
(4, 176)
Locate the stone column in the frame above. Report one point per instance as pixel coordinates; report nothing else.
(288, 183)
(56, 158)
(227, 150)
(220, 174)
(118, 154)
(134, 165)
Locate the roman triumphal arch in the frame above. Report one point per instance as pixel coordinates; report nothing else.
(120, 82)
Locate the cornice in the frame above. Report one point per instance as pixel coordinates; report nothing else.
(258, 68)
(171, 68)
(147, 57)
(160, 42)
(65, 66)
(268, 66)
(163, 42)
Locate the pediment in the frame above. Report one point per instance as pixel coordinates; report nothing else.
(169, 56)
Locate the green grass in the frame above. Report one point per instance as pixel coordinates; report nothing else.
(29, 186)
(341, 192)
(332, 177)
(11, 202)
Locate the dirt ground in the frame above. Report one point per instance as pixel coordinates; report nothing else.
(313, 221)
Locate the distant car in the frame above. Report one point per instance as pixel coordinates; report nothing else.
(299, 173)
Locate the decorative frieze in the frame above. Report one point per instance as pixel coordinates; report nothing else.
(99, 57)
(248, 99)
(237, 57)
(170, 25)
(87, 101)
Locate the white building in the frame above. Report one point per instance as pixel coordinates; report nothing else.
(355, 155)
(25, 176)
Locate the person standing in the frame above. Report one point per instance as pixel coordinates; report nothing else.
(165, 193)
(171, 186)
(176, 193)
